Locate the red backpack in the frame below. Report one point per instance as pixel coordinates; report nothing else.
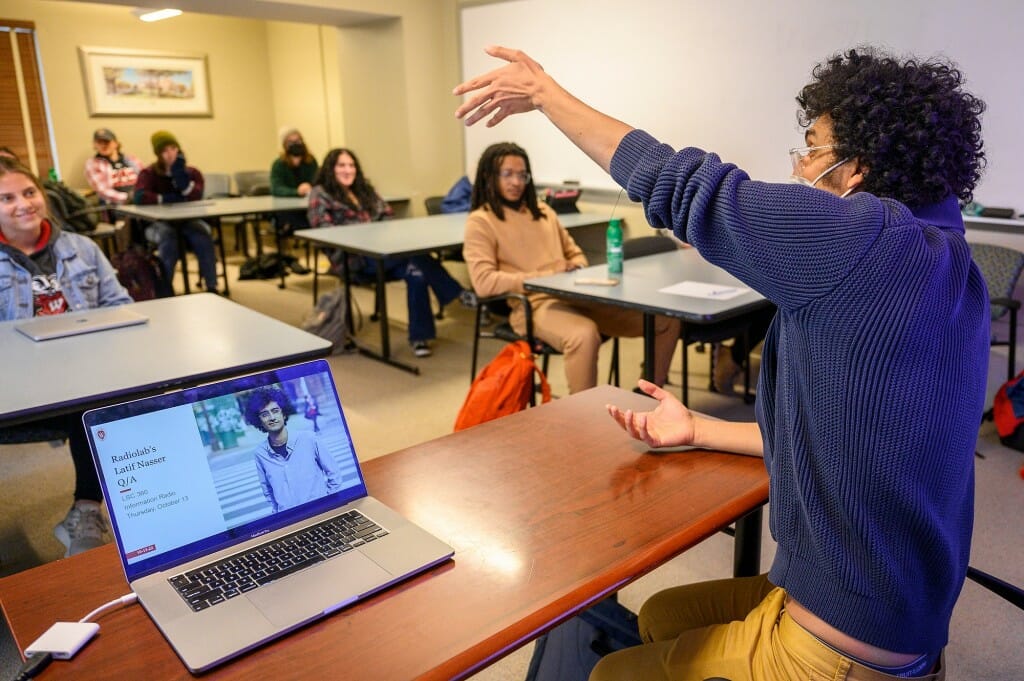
(1008, 412)
(503, 387)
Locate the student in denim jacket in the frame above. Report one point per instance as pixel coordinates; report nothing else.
(45, 270)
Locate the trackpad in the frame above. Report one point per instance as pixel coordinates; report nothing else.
(305, 595)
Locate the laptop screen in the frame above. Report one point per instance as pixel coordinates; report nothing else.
(195, 471)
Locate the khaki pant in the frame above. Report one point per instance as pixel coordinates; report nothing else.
(574, 329)
(736, 629)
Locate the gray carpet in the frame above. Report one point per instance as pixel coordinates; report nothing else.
(389, 409)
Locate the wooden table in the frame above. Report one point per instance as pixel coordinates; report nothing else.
(549, 511)
(404, 239)
(187, 340)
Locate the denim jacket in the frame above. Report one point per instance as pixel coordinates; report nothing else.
(86, 277)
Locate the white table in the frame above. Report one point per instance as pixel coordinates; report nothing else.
(406, 238)
(172, 213)
(640, 285)
(188, 340)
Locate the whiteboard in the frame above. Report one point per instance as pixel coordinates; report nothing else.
(723, 76)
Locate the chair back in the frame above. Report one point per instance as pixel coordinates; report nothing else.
(433, 204)
(216, 185)
(647, 245)
(1001, 268)
(253, 182)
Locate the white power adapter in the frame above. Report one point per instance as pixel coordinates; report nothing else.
(63, 639)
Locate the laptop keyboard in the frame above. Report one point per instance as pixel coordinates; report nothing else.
(217, 582)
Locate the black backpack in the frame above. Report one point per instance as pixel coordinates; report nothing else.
(142, 274)
(71, 207)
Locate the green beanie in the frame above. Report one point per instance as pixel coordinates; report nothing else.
(162, 139)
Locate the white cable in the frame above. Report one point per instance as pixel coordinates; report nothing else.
(127, 599)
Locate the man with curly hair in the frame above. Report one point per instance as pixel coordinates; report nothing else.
(873, 373)
(292, 467)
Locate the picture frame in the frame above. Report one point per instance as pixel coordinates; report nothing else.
(126, 82)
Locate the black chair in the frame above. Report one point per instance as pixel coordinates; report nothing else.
(502, 330)
(250, 183)
(433, 204)
(1001, 268)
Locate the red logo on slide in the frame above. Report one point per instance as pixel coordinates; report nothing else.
(139, 552)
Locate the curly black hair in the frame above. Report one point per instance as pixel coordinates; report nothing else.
(261, 397)
(361, 187)
(485, 188)
(910, 123)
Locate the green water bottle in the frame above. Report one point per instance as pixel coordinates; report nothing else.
(613, 246)
(53, 175)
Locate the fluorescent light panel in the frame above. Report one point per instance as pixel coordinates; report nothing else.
(146, 14)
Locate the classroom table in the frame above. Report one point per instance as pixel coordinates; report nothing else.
(639, 288)
(188, 340)
(549, 511)
(207, 209)
(404, 238)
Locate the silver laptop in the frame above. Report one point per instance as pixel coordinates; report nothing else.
(231, 538)
(48, 327)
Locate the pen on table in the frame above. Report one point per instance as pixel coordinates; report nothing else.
(721, 291)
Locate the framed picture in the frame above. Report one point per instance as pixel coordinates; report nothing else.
(142, 83)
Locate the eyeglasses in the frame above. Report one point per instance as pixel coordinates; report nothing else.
(507, 175)
(798, 154)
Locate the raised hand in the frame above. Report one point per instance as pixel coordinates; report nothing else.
(507, 90)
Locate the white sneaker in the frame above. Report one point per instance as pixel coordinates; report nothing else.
(83, 528)
(420, 348)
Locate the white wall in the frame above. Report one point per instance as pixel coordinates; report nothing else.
(723, 76)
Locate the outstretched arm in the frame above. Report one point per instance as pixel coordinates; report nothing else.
(522, 85)
(671, 424)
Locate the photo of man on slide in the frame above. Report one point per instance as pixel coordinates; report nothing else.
(292, 468)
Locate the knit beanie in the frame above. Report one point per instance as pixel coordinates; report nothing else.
(162, 139)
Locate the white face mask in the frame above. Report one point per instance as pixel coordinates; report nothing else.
(800, 179)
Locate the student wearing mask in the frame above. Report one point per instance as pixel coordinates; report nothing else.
(873, 372)
(293, 173)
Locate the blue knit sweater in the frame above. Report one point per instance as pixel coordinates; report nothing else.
(872, 382)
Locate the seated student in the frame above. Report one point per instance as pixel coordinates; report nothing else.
(111, 173)
(51, 271)
(293, 174)
(170, 180)
(511, 237)
(342, 195)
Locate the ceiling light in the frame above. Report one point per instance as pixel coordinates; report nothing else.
(147, 14)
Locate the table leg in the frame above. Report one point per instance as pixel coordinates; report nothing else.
(183, 257)
(747, 549)
(277, 242)
(385, 336)
(649, 351)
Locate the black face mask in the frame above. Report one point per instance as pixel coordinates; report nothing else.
(296, 149)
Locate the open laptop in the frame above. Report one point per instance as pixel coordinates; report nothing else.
(191, 501)
(48, 327)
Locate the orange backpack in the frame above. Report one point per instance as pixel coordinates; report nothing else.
(503, 387)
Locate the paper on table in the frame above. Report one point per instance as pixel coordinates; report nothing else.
(698, 289)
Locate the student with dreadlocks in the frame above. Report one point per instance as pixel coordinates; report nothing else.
(510, 237)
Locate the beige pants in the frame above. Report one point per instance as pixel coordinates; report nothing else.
(736, 629)
(574, 329)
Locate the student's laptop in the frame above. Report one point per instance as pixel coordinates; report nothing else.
(48, 327)
(192, 508)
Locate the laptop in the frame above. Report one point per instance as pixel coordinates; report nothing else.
(229, 542)
(49, 327)
(563, 200)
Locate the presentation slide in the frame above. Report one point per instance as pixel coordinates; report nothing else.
(156, 473)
